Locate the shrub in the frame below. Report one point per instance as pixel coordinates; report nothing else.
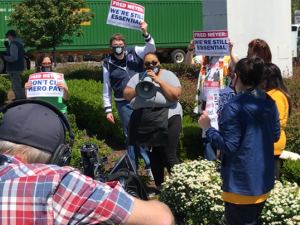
(293, 85)
(5, 85)
(190, 145)
(293, 132)
(81, 71)
(194, 191)
(290, 171)
(25, 76)
(282, 207)
(86, 103)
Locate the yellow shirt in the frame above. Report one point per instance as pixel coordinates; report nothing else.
(283, 109)
(244, 199)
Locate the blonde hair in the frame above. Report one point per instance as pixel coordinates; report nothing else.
(26, 153)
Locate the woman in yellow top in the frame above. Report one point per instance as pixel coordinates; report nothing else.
(272, 84)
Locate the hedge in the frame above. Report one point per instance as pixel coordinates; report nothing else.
(5, 85)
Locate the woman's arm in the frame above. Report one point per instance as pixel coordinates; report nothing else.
(233, 57)
(228, 140)
(129, 93)
(189, 55)
(63, 86)
(172, 93)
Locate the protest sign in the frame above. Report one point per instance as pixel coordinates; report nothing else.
(211, 43)
(45, 85)
(216, 99)
(125, 14)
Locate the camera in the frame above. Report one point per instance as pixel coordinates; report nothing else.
(123, 171)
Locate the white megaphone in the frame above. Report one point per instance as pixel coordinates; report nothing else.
(146, 88)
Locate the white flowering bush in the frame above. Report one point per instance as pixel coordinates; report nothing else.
(194, 191)
(283, 205)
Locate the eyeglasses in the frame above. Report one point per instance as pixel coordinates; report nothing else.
(47, 64)
(154, 63)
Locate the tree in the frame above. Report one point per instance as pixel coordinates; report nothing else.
(45, 24)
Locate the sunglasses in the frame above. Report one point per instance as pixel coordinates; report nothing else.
(154, 63)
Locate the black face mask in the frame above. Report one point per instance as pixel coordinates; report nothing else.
(46, 68)
(118, 50)
(155, 69)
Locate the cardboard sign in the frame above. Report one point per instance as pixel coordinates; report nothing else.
(125, 14)
(45, 85)
(211, 43)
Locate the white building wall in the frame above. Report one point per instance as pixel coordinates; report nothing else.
(249, 19)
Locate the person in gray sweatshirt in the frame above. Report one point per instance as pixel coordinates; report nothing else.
(15, 63)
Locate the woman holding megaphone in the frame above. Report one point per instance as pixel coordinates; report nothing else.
(156, 119)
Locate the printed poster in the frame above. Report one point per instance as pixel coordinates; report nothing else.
(44, 85)
(125, 14)
(211, 43)
(216, 99)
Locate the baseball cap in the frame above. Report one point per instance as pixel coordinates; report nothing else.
(10, 32)
(34, 125)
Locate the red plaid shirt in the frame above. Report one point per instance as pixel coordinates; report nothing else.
(49, 194)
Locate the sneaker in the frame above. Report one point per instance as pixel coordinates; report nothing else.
(149, 174)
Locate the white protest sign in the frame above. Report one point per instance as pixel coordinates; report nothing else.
(45, 85)
(125, 14)
(211, 43)
(216, 99)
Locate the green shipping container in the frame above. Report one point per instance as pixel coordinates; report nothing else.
(170, 23)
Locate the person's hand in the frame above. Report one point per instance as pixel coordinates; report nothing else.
(204, 121)
(230, 45)
(6, 44)
(62, 85)
(28, 85)
(110, 117)
(144, 26)
(153, 76)
(202, 107)
(192, 44)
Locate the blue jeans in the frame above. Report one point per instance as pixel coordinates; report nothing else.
(209, 151)
(124, 111)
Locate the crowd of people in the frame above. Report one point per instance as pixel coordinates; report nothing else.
(248, 142)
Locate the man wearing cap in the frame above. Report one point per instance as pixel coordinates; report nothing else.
(15, 63)
(33, 191)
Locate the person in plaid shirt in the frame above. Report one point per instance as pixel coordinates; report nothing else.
(35, 192)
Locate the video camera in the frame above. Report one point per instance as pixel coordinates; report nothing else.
(123, 171)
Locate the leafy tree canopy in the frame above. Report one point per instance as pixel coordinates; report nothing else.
(44, 24)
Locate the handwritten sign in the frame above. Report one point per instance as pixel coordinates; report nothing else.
(45, 84)
(211, 43)
(125, 14)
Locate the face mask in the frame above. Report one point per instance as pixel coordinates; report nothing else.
(118, 50)
(155, 69)
(46, 68)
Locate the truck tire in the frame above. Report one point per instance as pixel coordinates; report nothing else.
(2, 65)
(177, 56)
